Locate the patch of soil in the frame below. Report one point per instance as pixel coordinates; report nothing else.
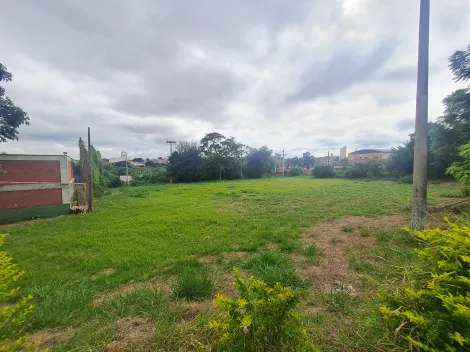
(105, 272)
(234, 255)
(207, 259)
(189, 310)
(334, 264)
(49, 337)
(132, 334)
(132, 286)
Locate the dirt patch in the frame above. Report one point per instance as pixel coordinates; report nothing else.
(190, 310)
(103, 273)
(234, 255)
(157, 284)
(207, 259)
(49, 337)
(132, 334)
(334, 242)
(235, 207)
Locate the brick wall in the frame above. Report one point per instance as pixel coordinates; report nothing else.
(70, 170)
(32, 198)
(31, 171)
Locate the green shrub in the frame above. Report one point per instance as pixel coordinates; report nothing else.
(461, 170)
(405, 179)
(323, 171)
(14, 308)
(273, 267)
(261, 319)
(313, 254)
(193, 283)
(368, 170)
(432, 310)
(295, 171)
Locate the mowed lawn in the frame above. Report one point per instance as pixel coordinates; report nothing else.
(142, 232)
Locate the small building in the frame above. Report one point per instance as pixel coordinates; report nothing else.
(364, 155)
(35, 186)
(343, 153)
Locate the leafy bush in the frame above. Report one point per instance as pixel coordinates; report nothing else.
(273, 267)
(405, 179)
(14, 308)
(261, 319)
(461, 170)
(370, 169)
(193, 283)
(296, 171)
(432, 311)
(149, 176)
(322, 171)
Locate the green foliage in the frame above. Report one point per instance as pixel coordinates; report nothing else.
(347, 228)
(400, 161)
(369, 169)
(461, 170)
(149, 176)
(14, 307)
(11, 116)
(313, 254)
(186, 165)
(221, 156)
(193, 282)
(258, 161)
(273, 267)
(432, 310)
(460, 65)
(296, 171)
(323, 171)
(408, 179)
(263, 318)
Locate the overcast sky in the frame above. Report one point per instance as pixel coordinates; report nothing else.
(296, 75)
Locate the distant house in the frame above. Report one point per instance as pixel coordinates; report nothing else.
(364, 155)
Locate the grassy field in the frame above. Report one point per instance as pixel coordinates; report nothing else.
(167, 235)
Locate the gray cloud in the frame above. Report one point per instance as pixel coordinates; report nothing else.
(405, 125)
(266, 72)
(345, 68)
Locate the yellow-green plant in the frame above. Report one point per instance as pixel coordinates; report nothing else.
(261, 319)
(14, 308)
(431, 312)
(461, 170)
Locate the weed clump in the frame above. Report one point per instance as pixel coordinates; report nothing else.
(263, 318)
(431, 311)
(193, 283)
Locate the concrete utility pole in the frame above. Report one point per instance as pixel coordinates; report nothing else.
(420, 177)
(127, 170)
(171, 152)
(283, 163)
(90, 174)
(328, 158)
(241, 161)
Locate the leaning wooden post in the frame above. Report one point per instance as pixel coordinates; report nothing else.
(90, 178)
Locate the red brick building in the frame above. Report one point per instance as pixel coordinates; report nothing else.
(35, 186)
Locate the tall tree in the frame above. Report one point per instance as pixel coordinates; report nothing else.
(185, 164)
(259, 161)
(460, 64)
(11, 116)
(221, 156)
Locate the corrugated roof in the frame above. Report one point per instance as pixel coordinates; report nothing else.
(366, 151)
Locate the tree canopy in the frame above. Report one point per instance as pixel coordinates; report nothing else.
(11, 116)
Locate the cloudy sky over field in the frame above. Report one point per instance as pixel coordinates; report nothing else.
(295, 75)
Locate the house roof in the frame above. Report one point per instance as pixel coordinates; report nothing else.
(366, 151)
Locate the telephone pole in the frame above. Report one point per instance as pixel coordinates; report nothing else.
(283, 162)
(90, 176)
(170, 142)
(420, 177)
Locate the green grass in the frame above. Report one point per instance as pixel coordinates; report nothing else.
(193, 283)
(365, 232)
(143, 232)
(273, 267)
(313, 254)
(347, 228)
